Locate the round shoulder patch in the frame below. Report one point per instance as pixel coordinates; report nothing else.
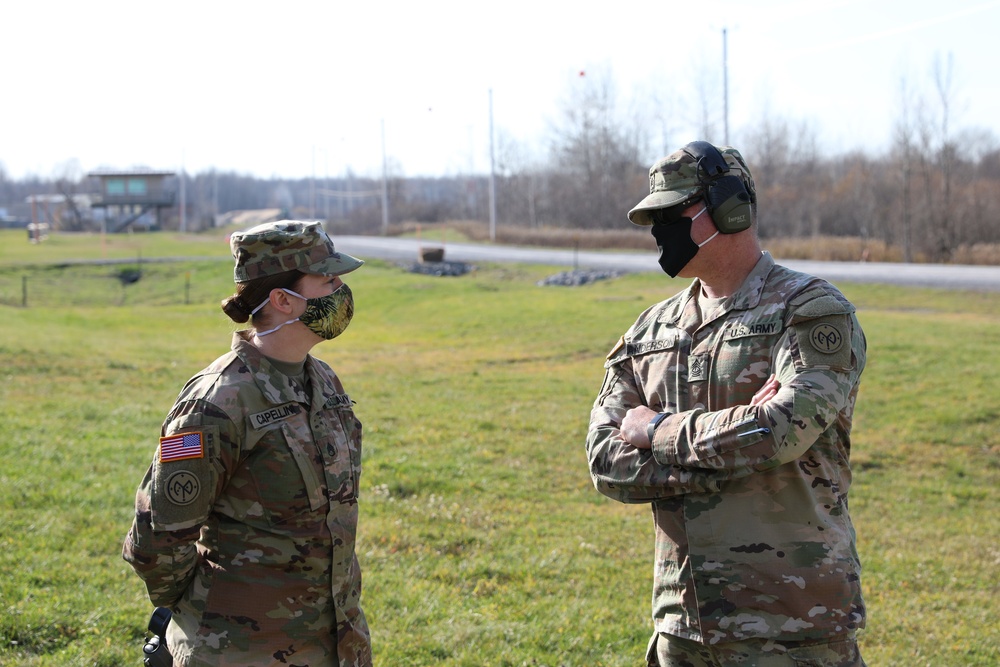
(826, 338)
(183, 487)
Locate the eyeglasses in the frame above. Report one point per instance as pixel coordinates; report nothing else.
(669, 216)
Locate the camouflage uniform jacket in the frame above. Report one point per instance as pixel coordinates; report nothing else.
(753, 537)
(252, 542)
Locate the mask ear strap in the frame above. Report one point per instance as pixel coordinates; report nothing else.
(269, 331)
(268, 299)
(698, 215)
(262, 304)
(705, 242)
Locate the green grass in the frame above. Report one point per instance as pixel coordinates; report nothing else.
(481, 538)
(15, 250)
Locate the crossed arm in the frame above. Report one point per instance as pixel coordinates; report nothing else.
(697, 450)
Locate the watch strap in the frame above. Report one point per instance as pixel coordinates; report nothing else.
(653, 423)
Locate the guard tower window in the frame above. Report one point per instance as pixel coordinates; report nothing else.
(114, 186)
(137, 186)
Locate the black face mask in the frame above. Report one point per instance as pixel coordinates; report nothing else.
(675, 244)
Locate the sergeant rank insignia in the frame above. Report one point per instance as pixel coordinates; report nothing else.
(697, 367)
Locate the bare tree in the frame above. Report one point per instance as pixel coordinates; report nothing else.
(595, 162)
(946, 156)
(905, 150)
(709, 103)
(976, 195)
(517, 183)
(926, 159)
(784, 158)
(6, 188)
(69, 176)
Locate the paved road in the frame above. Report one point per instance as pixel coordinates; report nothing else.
(984, 278)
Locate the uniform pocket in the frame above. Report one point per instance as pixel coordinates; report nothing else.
(286, 472)
(742, 366)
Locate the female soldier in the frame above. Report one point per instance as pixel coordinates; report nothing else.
(245, 521)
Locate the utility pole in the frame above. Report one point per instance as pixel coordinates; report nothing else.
(725, 87)
(312, 186)
(493, 184)
(215, 196)
(183, 195)
(385, 186)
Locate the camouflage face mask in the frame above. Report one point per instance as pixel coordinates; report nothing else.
(326, 316)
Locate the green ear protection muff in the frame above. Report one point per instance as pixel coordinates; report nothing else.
(726, 196)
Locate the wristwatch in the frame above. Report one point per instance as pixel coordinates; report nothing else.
(653, 423)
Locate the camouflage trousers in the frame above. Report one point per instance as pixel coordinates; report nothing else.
(670, 651)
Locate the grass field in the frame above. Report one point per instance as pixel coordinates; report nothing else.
(481, 538)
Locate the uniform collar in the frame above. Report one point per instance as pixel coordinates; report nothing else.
(274, 385)
(323, 389)
(746, 297)
(750, 292)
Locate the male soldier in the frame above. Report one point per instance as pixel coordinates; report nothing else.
(728, 408)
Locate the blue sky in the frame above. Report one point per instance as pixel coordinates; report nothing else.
(304, 88)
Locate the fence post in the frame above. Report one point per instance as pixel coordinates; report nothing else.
(24, 291)
(187, 288)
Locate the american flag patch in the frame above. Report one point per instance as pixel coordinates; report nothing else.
(181, 446)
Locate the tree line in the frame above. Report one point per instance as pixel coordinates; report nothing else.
(932, 192)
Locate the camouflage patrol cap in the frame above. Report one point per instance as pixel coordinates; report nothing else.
(674, 180)
(287, 245)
